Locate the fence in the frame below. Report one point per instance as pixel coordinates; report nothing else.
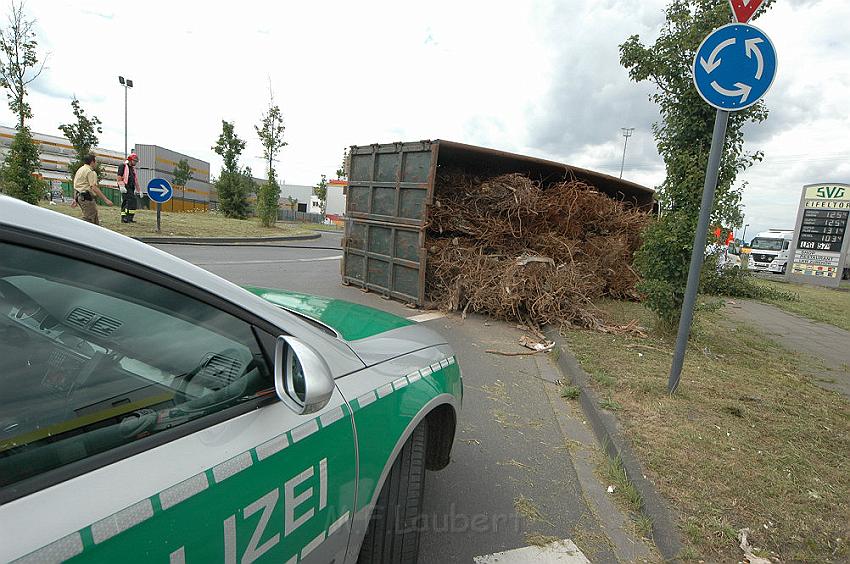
(292, 215)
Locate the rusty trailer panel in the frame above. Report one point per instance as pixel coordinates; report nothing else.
(390, 191)
(386, 258)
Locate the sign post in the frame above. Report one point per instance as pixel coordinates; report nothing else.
(160, 191)
(733, 68)
(818, 252)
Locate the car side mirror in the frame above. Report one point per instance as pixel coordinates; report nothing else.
(302, 378)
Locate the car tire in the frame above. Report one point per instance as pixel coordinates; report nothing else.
(393, 532)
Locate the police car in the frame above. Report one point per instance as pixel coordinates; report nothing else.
(152, 411)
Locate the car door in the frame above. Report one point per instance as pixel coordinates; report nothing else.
(138, 423)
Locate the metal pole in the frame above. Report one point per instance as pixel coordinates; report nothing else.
(627, 132)
(125, 121)
(158, 211)
(717, 140)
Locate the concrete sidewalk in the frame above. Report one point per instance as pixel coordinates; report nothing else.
(825, 342)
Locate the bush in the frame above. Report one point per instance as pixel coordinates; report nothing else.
(232, 195)
(17, 176)
(267, 202)
(736, 283)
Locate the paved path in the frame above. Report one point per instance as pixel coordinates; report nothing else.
(826, 342)
(513, 472)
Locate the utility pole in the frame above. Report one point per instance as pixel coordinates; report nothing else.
(128, 83)
(627, 132)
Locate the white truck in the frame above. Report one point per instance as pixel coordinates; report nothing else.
(769, 245)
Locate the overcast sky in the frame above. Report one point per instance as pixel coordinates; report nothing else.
(539, 78)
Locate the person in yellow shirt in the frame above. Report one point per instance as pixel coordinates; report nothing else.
(86, 190)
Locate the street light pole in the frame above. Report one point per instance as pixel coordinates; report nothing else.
(744, 236)
(627, 132)
(128, 83)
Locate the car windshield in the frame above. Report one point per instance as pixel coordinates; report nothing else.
(766, 244)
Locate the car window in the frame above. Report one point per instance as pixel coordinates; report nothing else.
(92, 359)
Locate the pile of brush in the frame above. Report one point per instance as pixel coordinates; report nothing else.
(508, 247)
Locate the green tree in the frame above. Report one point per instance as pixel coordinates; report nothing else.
(82, 135)
(342, 171)
(18, 60)
(683, 138)
(270, 131)
(182, 174)
(320, 190)
(230, 185)
(17, 178)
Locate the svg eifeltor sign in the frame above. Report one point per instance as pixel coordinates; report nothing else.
(819, 250)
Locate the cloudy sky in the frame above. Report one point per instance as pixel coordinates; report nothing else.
(539, 78)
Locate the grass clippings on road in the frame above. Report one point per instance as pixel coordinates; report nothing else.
(747, 441)
(828, 305)
(184, 224)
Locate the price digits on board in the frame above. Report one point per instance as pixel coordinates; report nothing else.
(823, 230)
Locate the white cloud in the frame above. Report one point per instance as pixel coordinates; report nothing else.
(540, 78)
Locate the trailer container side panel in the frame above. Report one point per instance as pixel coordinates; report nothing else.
(385, 258)
(390, 189)
(391, 182)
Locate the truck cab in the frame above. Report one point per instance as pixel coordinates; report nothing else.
(780, 263)
(767, 246)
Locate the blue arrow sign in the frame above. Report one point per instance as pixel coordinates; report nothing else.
(159, 190)
(734, 66)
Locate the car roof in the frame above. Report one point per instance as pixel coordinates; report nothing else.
(21, 215)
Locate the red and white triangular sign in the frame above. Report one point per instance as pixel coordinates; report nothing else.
(744, 9)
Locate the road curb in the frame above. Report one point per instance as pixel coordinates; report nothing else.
(607, 431)
(234, 241)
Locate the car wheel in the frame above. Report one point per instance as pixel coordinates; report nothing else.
(393, 532)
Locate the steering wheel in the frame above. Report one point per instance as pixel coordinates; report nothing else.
(10, 295)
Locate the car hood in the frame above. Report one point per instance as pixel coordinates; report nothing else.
(350, 321)
(373, 335)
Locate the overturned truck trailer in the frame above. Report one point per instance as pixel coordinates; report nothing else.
(390, 193)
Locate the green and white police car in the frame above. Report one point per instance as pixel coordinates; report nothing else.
(151, 411)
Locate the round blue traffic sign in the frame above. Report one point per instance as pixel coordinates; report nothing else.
(159, 190)
(734, 66)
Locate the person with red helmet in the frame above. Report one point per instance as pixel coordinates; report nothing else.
(128, 183)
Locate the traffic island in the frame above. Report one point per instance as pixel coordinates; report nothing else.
(748, 441)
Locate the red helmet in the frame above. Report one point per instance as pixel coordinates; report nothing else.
(133, 157)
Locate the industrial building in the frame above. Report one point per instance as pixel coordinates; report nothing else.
(159, 162)
(56, 153)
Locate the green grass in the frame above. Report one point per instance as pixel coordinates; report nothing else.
(323, 227)
(570, 392)
(828, 305)
(610, 404)
(184, 224)
(747, 441)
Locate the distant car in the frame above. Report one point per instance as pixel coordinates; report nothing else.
(152, 411)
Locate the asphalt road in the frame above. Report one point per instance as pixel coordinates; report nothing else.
(512, 473)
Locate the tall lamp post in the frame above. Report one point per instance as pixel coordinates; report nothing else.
(744, 236)
(128, 83)
(627, 132)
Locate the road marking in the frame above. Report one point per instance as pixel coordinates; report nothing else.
(562, 552)
(427, 316)
(279, 261)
